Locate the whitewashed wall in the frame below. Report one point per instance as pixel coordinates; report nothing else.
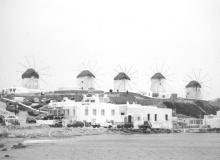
(121, 85)
(30, 83)
(158, 85)
(86, 83)
(143, 111)
(193, 93)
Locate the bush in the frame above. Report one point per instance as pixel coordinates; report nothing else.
(76, 124)
(30, 120)
(12, 108)
(128, 125)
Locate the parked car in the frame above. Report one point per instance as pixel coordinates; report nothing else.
(11, 120)
(31, 120)
(87, 124)
(106, 125)
(76, 124)
(125, 125)
(57, 124)
(96, 125)
(146, 125)
(128, 125)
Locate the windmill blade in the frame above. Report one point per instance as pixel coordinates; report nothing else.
(27, 61)
(199, 74)
(194, 73)
(121, 68)
(190, 77)
(170, 74)
(133, 73)
(133, 83)
(45, 82)
(206, 75)
(202, 82)
(34, 62)
(207, 86)
(23, 65)
(18, 71)
(153, 70)
(133, 77)
(44, 68)
(162, 68)
(130, 68)
(157, 68)
(116, 71)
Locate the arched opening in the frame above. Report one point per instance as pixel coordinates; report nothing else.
(129, 119)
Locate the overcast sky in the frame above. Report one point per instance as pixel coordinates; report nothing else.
(178, 36)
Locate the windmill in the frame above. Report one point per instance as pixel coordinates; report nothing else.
(159, 82)
(86, 78)
(123, 79)
(197, 85)
(32, 74)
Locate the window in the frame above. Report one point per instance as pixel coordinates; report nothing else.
(94, 112)
(92, 101)
(148, 117)
(122, 113)
(86, 112)
(155, 117)
(166, 117)
(138, 118)
(67, 112)
(102, 112)
(74, 111)
(113, 112)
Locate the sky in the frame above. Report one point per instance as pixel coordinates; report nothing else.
(59, 38)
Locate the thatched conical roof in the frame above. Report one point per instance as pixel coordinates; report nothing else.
(85, 73)
(29, 73)
(122, 76)
(158, 76)
(193, 84)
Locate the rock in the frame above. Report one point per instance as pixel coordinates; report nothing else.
(2, 145)
(18, 146)
(4, 149)
(7, 155)
(11, 136)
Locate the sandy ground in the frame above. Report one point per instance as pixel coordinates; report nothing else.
(117, 146)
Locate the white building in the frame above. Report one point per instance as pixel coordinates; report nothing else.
(94, 109)
(121, 82)
(212, 121)
(90, 110)
(159, 117)
(30, 79)
(193, 90)
(86, 80)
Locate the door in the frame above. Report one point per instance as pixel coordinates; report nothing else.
(129, 119)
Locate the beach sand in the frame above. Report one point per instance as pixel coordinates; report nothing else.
(118, 146)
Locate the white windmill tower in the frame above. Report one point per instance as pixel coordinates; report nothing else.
(193, 90)
(159, 86)
(197, 85)
(121, 82)
(86, 80)
(123, 79)
(88, 74)
(32, 75)
(157, 83)
(30, 79)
